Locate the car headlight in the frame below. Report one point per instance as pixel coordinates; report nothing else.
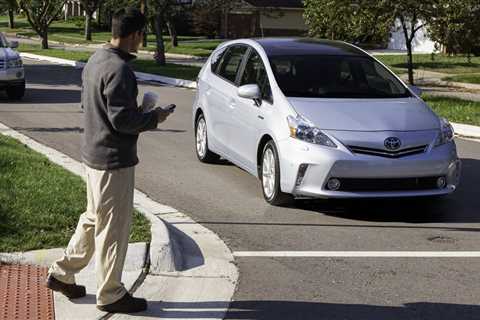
(14, 63)
(446, 132)
(302, 129)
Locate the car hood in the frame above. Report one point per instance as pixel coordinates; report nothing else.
(404, 114)
(8, 54)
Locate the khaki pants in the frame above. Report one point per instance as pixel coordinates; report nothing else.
(104, 229)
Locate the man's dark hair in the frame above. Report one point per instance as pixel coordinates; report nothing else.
(126, 22)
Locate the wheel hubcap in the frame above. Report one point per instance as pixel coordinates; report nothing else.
(268, 173)
(201, 138)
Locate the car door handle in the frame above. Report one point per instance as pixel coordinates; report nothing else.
(232, 104)
(260, 117)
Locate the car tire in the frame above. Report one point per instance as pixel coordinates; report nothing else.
(270, 177)
(16, 92)
(201, 142)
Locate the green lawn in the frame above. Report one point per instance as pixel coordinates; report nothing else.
(468, 78)
(454, 109)
(142, 65)
(170, 70)
(442, 63)
(200, 48)
(40, 202)
(69, 32)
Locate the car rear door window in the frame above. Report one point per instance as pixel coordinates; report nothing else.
(255, 73)
(217, 58)
(231, 62)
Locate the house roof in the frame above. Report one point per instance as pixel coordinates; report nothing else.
(276, 3)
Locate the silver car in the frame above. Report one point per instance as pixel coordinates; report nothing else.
(320, 119)
(12, 73)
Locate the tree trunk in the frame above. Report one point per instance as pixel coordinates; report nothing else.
(144, 10)
(160, 50)
(410, 62)
(88, 25)
(44, 36)
(173, 33)
(11, 19)
(225, 23)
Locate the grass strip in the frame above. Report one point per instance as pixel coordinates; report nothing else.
(455, 109)
(142, 65)
(441, 63)
(40, 202)
(466, 78)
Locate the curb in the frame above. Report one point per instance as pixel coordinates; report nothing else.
(466, 130)
(161, 251)
(99, 44)
(140, 75)
(188, 262)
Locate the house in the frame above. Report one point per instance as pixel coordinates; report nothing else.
(72, 8)
(264, 18)
(421, 43)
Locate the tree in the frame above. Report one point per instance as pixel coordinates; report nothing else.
(11, 7)
(353, 21)
(157, 10)
(162, 13)
(413, 16)
(90, 6)
(456, 26)
(206, 20)
(210, 17)
(40, 14)
(363, 20)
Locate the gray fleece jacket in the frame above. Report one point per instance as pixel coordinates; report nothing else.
(112, 118)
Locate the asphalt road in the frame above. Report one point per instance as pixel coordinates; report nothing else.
(228, 201)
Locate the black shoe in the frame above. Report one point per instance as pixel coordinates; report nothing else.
(71, 291)
(127, 304)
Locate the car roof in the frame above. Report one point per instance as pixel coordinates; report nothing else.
(307, 46)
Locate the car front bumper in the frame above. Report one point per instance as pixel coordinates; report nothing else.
(324, 163)
(12, 76)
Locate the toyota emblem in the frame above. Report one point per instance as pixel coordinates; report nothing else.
(392, 143)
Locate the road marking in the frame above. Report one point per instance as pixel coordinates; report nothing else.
(361, 254)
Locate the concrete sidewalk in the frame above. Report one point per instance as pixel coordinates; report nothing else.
(84, 308)
(425, 78)
(187, 263)
(182, 59)
(449, 92)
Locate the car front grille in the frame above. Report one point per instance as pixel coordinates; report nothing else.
(388, 154)
(394, 184)
(2, 64)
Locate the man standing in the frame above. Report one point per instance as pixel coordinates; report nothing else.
(113, 122)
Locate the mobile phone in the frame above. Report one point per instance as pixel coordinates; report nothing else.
(170, 107)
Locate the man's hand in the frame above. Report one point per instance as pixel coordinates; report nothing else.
(162, 114)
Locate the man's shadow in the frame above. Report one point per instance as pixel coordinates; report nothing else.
(299, 310)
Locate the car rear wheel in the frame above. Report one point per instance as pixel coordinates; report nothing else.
(201, 142)
(270, 177)
(16, 92)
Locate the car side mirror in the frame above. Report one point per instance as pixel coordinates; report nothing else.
(250, 91)
(13, 44)
(416, 90)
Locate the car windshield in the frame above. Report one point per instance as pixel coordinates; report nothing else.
(317, 76)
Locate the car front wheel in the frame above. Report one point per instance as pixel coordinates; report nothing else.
(270, 177)
(16, 92)
(201, 142)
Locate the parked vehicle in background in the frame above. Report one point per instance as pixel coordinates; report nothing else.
(12, 73)
(320, 119)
